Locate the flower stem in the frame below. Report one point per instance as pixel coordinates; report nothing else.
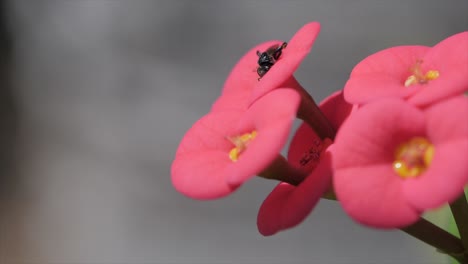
(438, 238)
(311, 113)
(313, 116)
(282, 170)
(459, 210)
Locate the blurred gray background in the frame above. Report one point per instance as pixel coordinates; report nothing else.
(96, 94)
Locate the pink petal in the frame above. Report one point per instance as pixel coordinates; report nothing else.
(287, 205)
(447, 120)
(243, 76)
(444, 180)
(336, 109)
(306, 145)
(449, 51)
(371, 134)
(450, 58)
(232, 100)
(394, 61)
(372, 195)
(201, 175)
(383, 74)
(448, 173)
(282, 103)
(305, 148)
(454, 82)
(365, 88)
(202, 163)
(268, 218)
(209, 132)
(272, 117)
(198, 168)
(261, 152)
(298, 48)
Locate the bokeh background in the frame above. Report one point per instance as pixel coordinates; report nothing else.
(96, 94)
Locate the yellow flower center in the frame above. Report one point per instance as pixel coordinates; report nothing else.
(240, 142)
(413, 157)
(418, 77)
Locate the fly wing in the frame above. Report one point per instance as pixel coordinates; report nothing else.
(272, 49)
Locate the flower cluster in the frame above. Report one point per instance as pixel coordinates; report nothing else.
(389, 146)
(405, 151)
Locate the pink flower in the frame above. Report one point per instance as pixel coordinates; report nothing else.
(224, 149)
(419, 74)
(244, 86)
(288, 205)
(392, 161)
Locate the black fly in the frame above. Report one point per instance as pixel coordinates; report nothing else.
(267, 58)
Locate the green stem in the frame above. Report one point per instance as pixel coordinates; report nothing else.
(459, 210)
(438, 238)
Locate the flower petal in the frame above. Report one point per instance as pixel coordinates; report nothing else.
(447, 129)
(336, 109)
(298, 48)
(443, 181)
(394, 61)
(201, 175)
(198, 167)
(450, 58)
(366, 88)
(232, 100)
(209, 132)
(447, 120)
(305, 148)
(287, 205)
(260, 153)
(272, 117)
(372, 195)
(306, 145)
(243, 76)
(370, 135)
(383, 74)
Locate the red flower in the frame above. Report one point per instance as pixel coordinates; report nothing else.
(224, 149)
(419, 74)
(288, 205)
(392, 161)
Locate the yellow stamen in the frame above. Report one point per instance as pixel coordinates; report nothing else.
(418, 77)
(432, 75)
(411, 80)
(413, 157)
(240, 142)
(234, 154)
